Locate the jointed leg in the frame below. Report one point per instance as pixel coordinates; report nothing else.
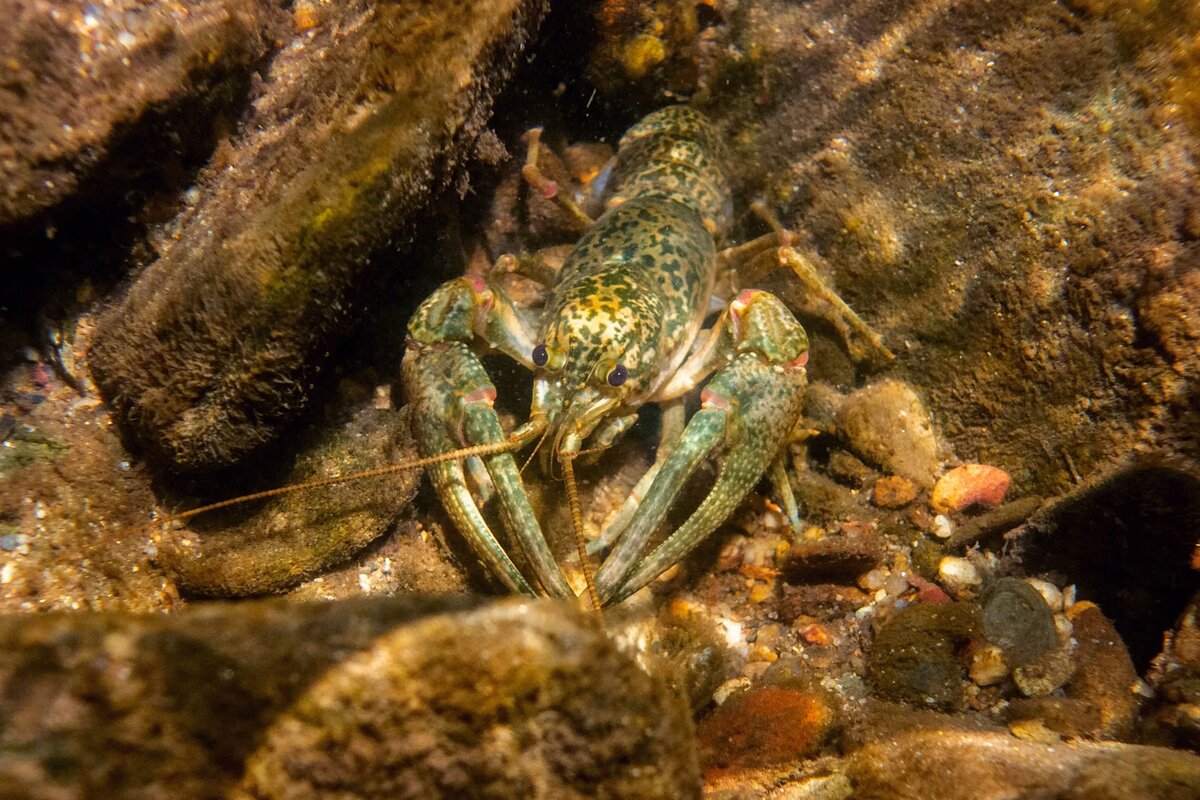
(747, 264)
(549, 189)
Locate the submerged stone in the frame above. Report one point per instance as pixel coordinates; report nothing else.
(887, 423)
(915, 656)
(397, 697)
(217, 344)
(979, 765)
(269, 548)
(1017, 620)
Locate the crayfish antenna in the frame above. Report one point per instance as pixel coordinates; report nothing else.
(589, 571)
(417, 463)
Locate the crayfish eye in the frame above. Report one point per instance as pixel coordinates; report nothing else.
(540, 355)
(618, 375)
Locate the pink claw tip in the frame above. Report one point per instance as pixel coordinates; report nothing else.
(485, 394)
(711, 399)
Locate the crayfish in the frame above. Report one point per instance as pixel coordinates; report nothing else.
(622, 325)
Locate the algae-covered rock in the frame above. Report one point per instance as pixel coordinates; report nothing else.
(963, 765)
(396, 697)
(1017, 620)
(356, 125)
(300, 534)
(86, 85)
(915, 656)
(764, 727)
(1007, 191)
(887, 423)
(1105, 678)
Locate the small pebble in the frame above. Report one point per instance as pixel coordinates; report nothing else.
(892, 491)
(768, 636)
(872, 581)
(942, 528)
(958, 574)
(971, 485)
(817, 634)
(761, 592)
(896, 584)
(728, 688)
(1049, 592)
(763, 654)
(12, 541)
(304, 18)
(1046, 675)
(987, 666)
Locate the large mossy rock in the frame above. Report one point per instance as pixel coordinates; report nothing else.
(357, 123)
(395, 697)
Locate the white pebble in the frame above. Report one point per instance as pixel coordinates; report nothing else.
(958, 573)
(1049, 592)
(873, 580)
(896, 584)
(729, 687)
(942, 527)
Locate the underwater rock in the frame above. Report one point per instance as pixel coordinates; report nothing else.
(216, 345)
(979, 486)
(1010, 189)
(1047, 673)
(822, 601)
(847, 469)
(1105, 677)
(987, 666)
(1176, 678)
(1016, 619)
(892, 491)
(403, 697)
(984, 765)
(958, 575)
(887, 424)
(915, 656)
(1125, 539)
(86, 85)
(300, 534)
(833, 559)
(763, 727)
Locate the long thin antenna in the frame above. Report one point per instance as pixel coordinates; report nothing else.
(536, 447)
(453, 455)
(589, 571)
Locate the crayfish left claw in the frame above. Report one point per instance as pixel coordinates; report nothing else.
(747, 409)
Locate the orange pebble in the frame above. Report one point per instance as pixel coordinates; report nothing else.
(817, 634)
(304, 18)
(980, 485)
